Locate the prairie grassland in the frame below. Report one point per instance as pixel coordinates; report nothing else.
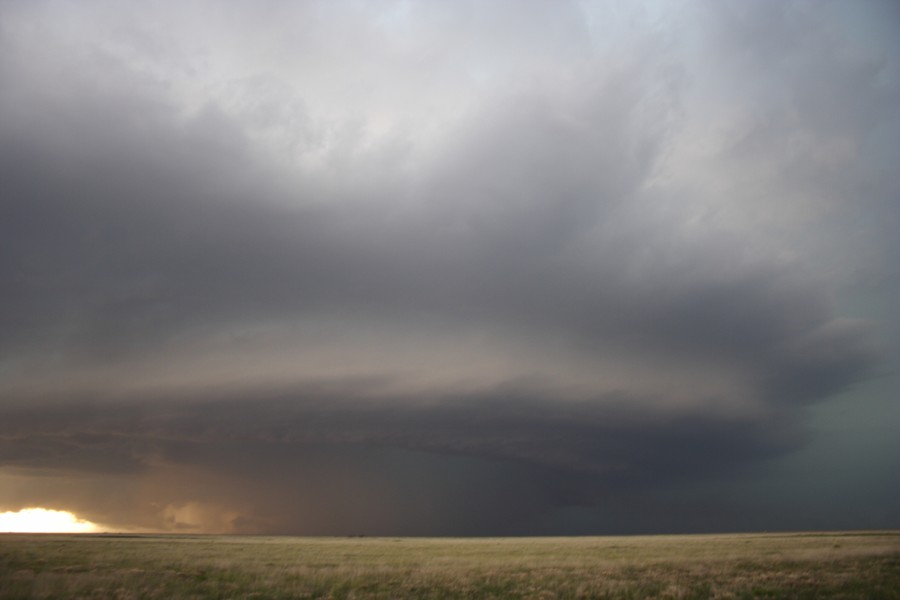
(796, 565)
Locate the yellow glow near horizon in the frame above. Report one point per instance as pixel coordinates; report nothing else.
(42, 520)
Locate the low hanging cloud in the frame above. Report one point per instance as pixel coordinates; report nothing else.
(389, 313)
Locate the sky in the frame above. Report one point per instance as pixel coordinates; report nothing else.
(451, 268)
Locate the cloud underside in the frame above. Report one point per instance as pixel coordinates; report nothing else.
(337, 299)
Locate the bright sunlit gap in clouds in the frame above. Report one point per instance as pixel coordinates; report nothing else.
(42, 520)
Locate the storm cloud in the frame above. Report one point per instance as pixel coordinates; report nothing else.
(417, 268)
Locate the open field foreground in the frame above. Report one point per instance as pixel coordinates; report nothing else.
(799, 565)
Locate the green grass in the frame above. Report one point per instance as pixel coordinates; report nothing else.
(813, 565)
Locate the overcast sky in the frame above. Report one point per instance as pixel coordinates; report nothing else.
(470, 268)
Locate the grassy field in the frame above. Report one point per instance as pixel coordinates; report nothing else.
(798, 565)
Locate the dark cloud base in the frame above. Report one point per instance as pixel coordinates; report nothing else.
(334, 460)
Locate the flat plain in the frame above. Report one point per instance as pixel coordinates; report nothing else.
(787, 565)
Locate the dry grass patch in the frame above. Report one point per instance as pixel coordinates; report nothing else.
(838, 565)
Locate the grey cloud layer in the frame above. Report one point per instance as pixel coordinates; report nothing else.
(147, 227)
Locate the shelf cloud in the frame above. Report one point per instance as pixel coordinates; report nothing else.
(408, 268)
